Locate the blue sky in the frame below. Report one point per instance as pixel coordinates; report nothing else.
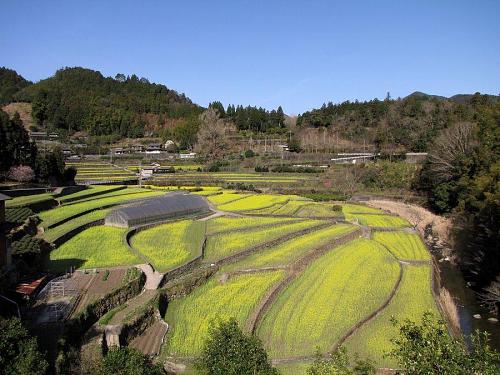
(297, 54)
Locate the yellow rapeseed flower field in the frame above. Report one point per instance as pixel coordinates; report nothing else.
(412, 299)
(335, 292)
(191, 316)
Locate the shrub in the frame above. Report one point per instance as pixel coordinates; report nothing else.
(229, 351)
(249, 154)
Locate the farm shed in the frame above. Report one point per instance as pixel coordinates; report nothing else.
(152, 210)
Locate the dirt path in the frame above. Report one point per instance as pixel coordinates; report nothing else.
(150, 341)
(153, 278)
(132, 305)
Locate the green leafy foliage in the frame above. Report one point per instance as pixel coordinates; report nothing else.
(229, 351)
(427, 348)
(462, 177)
(128, 361)
(18, 350)
(16, 147)
(339, 363)
(10, 83)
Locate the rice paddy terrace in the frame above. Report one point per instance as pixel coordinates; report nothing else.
(301, 275)
(98, 172)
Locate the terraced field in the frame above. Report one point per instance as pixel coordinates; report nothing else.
(191, 316)
(56, 215)
(56, 232)
(227, 224)
(172, 244)
(335, 292)
(404, 246)
(256, 202)
(100, 171)
(379, 221)
(291, 250)
(292, 281)
(222, 245)
(96, 247)
(412, 299)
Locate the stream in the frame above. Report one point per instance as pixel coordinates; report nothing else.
(451, 279)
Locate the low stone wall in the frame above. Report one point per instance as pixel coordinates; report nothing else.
(141, 322)
(77, 326)
(184, 285)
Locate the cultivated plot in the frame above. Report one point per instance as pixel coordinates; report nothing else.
(291, 250)
(405, 246)
(412, 299)
(56, 215)
(96, 247)
(224, 244)
(191, 316)
(256, 202)
(226, 224)
(379, 221)
(171, 244)
(334, 293)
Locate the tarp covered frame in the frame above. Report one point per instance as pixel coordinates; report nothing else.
(152, 210)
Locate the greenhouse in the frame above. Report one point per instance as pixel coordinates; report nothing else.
(152, 210)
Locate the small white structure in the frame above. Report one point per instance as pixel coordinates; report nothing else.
(190, 155)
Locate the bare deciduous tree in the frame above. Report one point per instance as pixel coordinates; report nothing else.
(212, 139)
(452, 144)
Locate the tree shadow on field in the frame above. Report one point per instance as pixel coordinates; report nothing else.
(63, 265)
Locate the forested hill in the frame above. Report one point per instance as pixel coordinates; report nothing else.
(410, 123)
(77, 99)
(10, 83)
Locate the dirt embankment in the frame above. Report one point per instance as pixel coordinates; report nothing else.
(421, 219)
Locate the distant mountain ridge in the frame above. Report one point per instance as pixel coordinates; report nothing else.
(458, 98)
